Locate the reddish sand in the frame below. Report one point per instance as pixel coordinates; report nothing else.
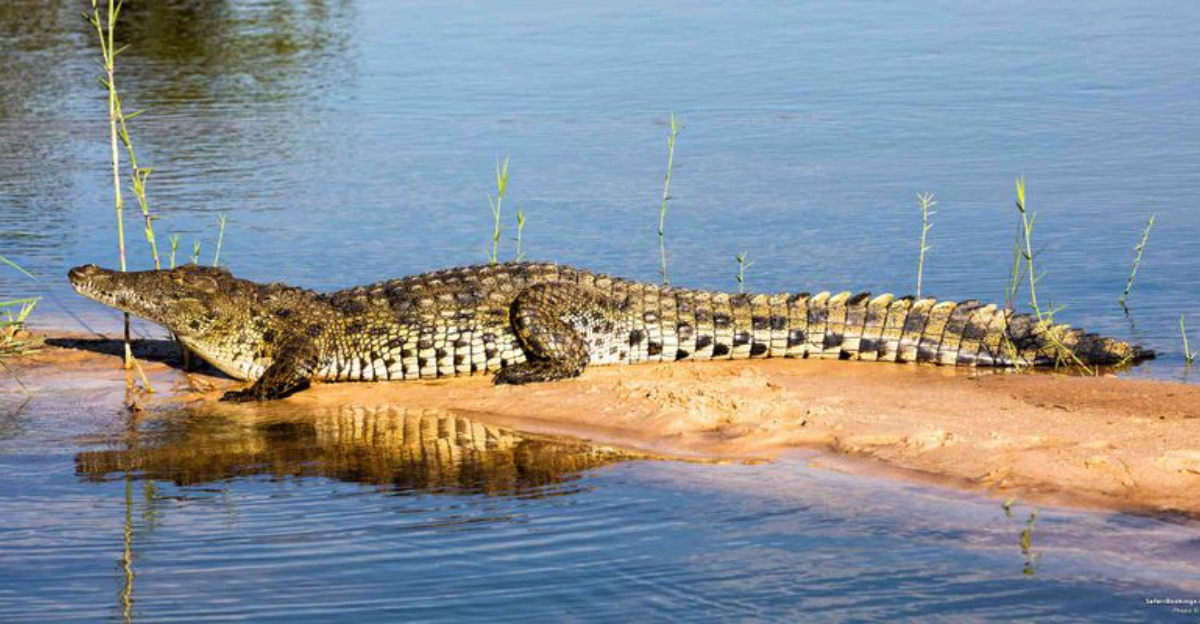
(1090, 441)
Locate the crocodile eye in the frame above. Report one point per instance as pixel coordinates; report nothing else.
(201, 283)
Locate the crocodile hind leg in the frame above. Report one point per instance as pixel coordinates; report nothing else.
(547, 319)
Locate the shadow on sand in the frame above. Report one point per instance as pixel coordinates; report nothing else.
(145, 349)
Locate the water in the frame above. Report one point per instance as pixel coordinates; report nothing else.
(350, 141)
(401, 515)
(354, 141)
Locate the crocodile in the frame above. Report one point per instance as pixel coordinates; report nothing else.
(537, 322)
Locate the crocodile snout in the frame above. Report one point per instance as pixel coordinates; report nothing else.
(85, 274)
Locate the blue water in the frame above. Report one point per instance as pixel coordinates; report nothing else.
(297, 516)
(354, 141)
(350, 141)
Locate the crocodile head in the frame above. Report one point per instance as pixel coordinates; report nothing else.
(188, 300)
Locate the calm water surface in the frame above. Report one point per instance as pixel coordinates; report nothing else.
(387, 513)
(350, 141)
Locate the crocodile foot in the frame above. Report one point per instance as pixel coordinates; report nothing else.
(534, 372)
(241, 396)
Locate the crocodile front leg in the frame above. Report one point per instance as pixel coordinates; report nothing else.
(546, 319)
(291, 372)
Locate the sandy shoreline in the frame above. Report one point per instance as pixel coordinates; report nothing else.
(1097, 442)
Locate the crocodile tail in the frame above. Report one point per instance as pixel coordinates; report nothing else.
(1029, 341)
(969, 333)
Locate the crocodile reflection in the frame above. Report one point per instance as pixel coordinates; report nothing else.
(397, 449)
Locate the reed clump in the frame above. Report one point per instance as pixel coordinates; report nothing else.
(13, 340)
(1027, 257)
(12, 324)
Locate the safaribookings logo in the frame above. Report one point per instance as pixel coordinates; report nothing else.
(1182, 606)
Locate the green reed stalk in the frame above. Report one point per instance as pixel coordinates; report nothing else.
(118, 131)
(666, 195)
(1044, 316)
(1027, 222)
(1014, 285)
(496, 205)
(109, 56)
(927, 212)
(1137, 260)
(220, 239)
(174, 240)
(196, 252)
(741, 274)
(520, 228)
(138, 177)
(1189, 356)
(18, 267)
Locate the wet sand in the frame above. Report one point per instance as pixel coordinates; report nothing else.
(1097, 442)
